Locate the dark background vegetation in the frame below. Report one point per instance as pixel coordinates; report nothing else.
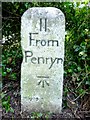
(76, 95)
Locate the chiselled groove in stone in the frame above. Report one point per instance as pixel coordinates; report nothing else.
(41, 24)
(43, 76)
(45, 24)
(31, 37)
(42, 83)
(46, 82)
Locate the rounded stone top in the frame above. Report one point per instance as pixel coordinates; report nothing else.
(43, 12)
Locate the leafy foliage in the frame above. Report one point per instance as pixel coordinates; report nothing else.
(6, 103)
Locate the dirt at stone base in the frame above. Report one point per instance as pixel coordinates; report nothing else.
(12, 89)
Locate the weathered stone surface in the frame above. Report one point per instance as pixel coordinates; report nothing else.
(42, 41)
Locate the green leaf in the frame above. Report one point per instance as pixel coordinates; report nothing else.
(9, 70)
(11, 110)
(4, 103)
(88, 82)
(4, 74)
